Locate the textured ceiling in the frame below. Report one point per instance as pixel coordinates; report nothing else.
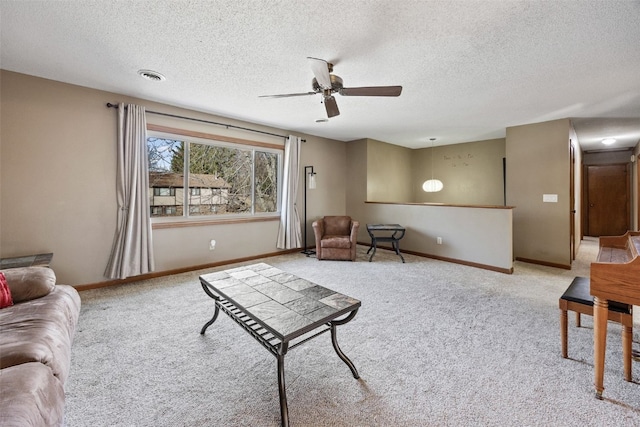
(469, 69)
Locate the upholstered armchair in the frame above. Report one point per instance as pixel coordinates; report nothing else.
(336, 237)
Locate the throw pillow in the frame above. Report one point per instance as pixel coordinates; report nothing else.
(5, 292)
(27, 283)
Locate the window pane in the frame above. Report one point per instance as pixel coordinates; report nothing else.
(224, 177)
(166, 180)
(266, 182)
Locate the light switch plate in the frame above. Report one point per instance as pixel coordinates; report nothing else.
(550, 198)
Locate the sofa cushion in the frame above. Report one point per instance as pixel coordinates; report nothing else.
(5, 292)
(41, 330)
(30, 395)
(337, 225)
(341, 242)
(27, 283)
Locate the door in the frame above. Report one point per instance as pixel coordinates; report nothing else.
(607, 200)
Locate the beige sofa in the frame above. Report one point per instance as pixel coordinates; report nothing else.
(36, 333)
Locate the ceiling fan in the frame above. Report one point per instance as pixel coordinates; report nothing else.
(327, 84)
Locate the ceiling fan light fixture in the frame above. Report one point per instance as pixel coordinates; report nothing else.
(326, 84)
(154, 76)
(608, 141)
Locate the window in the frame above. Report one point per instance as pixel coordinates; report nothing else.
(222, 178)
(163, 191)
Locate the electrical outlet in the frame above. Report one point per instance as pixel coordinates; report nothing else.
(439, 240)
(212, 245)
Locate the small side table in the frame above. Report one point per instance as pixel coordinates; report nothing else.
(39, 260)
(383, 230)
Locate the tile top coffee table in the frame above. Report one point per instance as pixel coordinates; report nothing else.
(276, 308)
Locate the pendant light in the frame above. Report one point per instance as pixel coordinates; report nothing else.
(432, 185)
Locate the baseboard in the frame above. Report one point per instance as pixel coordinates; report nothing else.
(451, 260)
(545, 263)
(156, 274)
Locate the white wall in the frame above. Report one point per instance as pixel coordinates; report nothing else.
(475, 235)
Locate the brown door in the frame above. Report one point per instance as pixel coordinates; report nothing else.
(607, 200)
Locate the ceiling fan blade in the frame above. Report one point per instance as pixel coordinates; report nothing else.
(287, 95)
(371, 91)
(320, 69)
(331, 105)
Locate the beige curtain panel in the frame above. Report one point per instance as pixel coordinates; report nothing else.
(132, 251)
(289, 235)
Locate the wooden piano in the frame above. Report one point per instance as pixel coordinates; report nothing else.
(615, 276)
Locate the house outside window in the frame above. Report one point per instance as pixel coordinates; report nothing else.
(164, 191)
(221, 178)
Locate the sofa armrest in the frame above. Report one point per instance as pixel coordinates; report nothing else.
(27, 283)
(354, 231)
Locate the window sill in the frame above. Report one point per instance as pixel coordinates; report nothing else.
(181, 223)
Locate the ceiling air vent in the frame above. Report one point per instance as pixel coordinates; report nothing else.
(154, 76)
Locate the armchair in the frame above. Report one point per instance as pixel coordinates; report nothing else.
(336, 238)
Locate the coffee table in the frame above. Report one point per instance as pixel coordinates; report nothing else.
(279, 310)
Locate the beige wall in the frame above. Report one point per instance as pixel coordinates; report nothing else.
(537, 164)
(388, 172)
(472, 173)
(357, 183)
(473, 235)
(577, 182)
(57, 166)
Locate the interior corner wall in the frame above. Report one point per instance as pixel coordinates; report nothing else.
(356, 183)
(538, 164)
(388, 172)
(578, 186)
(472, 173)
(329, 160)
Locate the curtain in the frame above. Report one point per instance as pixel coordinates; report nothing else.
(289, 235)
(132, 250)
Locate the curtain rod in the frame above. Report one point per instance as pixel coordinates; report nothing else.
(110, 105)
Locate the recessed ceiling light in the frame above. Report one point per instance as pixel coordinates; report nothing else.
(151, 75)
(608, 141)
(322, 120)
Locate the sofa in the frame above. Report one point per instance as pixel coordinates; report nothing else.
(336, 238)
(37, 326)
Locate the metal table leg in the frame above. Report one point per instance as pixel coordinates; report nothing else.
(213, 319)
(217, 308)
(284, 410)
(373, 246)
(336, 347)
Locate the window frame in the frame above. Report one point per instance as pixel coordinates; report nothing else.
(188, 136)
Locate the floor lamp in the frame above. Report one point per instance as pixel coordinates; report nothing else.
(309, 183)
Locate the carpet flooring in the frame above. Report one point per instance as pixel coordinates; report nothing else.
(435, 343)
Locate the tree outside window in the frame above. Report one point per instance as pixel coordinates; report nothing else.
(221, 179)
